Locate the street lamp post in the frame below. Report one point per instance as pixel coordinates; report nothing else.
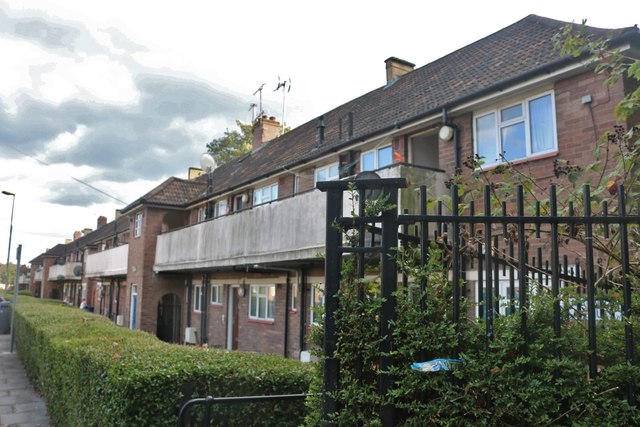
(13, 202)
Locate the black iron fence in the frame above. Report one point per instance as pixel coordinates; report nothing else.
(499, 260)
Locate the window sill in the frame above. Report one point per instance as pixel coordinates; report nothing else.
(216, 304)
(262, 321)
(521, 161)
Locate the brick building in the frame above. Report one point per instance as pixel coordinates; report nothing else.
(232, 258)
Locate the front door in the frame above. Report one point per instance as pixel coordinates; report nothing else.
(169, 314)
(232, 319)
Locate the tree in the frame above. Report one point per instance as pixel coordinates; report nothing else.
(233, 144)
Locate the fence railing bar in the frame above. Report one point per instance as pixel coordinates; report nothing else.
(488, 241)
(555, 274)
(591, 292)
(522, 269)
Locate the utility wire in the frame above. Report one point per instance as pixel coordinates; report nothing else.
(72, 177)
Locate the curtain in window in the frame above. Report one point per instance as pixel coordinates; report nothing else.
(486, 137)
(541, 123)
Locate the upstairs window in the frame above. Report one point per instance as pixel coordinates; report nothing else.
(376, 159)
(202, 214)
(265, 194)
(328, 173)
(137, 227)
(517, 131)
(220, 208)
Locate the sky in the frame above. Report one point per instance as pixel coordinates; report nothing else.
(102, 101)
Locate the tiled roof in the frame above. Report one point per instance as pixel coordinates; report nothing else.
(58, 250)
(175, 192)
(515, 53)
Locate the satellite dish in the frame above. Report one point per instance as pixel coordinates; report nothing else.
(207, 163)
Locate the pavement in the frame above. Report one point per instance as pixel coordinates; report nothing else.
(20, 404)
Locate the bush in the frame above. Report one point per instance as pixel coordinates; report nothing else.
(93, 373)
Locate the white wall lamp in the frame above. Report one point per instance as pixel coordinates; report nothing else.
(446, 133)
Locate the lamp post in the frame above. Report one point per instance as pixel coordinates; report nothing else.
(8, 193)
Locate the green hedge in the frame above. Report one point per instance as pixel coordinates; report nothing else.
(93, 373)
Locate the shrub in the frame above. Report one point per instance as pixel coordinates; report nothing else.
(93, 373)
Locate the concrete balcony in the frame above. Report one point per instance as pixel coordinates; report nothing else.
(291, 229)
(111, 262)
(23, 279)
(38, 275)
(66, 271)
(285, 230)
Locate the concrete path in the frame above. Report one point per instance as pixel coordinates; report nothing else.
(20, 404)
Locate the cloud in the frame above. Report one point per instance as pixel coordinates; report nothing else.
(74, 194)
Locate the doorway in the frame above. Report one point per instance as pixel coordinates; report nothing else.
(169, 315)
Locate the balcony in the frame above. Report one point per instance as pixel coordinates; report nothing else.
(66, 271)
(38, 276)
(110, 262)
(291, 229)
(285, 230)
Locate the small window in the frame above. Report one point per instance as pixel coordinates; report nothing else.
(137, 227)
(376, 159)
(294, 297)
(328, 173)
(317, 302)
(220, 208)
(517, 131)
(202, 214)
(216, 294)
(262, 302)
(198, 297)
(265, 194)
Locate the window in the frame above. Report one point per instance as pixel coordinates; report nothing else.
(239, 202)
(317, 302)
(294, 297)
(220, 208)
(197, 298)
(137, 226)
(262, 302)
(328, 173)
(517, 131)
(376, 159)
(216, 294)
(202, 214)
(265, 194)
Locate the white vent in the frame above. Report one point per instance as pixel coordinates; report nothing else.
(190, 335)
(119, 320)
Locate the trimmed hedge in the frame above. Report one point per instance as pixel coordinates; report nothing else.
(93, 373)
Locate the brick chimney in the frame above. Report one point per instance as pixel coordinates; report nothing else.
(86, 231)
(264, 130)
(76, 235)
(102, 221)
(396, 68)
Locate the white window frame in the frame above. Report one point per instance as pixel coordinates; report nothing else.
(294, 297)
(216, 294)
(327, 172)
(503, 124)
(202, 213)
(220, 208)
(265, 194)
(260, 296)
(317, 299)
(137, 225)
(197, 298)
(376, 158)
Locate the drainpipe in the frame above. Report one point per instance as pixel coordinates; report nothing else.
(303, 318)
(287, 299)
(205, 303)
(189, 298)
(117, 298)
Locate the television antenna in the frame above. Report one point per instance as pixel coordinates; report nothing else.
(285, 85)
(253, 105)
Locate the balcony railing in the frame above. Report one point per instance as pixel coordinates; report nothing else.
(110, 262)
(38, 276)
(291, 229)
(66, 271)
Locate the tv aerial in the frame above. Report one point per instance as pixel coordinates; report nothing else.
(253, 105)
(285, 85)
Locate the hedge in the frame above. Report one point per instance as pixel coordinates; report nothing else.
(94, 373)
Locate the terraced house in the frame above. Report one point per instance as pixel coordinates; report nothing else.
(233, 258)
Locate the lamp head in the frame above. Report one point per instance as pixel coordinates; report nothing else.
(8, 193)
